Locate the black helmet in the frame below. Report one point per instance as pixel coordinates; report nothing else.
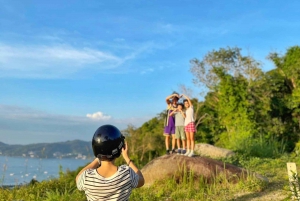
(107, 142)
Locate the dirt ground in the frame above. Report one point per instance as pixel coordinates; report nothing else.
(274, 191)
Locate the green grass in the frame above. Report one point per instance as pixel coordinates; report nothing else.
(62, 189)
(186, 186)
(183, 186)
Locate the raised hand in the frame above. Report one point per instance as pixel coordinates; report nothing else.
(125, 151)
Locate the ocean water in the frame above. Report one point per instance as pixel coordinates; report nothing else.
(21, 170)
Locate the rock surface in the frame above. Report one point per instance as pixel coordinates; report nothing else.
(212, 151)
(170, 165)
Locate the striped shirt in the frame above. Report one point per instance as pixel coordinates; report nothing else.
(117, 187)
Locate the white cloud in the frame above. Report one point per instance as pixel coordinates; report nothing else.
(63, 61)
(21, 125)
(51, 61)
(53, 54)
(98, 116)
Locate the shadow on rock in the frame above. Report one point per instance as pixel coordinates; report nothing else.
(168, 166)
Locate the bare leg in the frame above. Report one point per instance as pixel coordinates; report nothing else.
(173, 142)
(188, 140)
(178, 143)
(192, 136)
(167, 140)
(183, 144)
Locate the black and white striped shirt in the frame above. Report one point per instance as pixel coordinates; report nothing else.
(117, 187)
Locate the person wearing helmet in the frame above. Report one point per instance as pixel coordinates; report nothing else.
(101, 179)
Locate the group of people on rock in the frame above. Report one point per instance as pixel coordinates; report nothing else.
(180, 125)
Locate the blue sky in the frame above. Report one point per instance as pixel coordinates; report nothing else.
(68, 67)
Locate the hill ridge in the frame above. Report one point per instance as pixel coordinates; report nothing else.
(66, 149)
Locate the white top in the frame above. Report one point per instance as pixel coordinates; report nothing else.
(116, 187)
(189, 116)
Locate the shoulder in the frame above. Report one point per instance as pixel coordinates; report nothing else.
(124, 169)
(88, 172)
(130, 175)
(190, 108)
(80, 182)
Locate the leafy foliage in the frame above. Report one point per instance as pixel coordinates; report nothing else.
(246, 106)
(244, 109)
(146, 141)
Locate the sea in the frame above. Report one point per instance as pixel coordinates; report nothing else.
(21, 170)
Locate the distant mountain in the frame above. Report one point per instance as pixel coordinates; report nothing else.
(68, 149)
(2, 144)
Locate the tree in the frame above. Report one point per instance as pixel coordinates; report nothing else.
(147, 141)
(288, 69)
(234, 111)
(231, 60)
(234, 83)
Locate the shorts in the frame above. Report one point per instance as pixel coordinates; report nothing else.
(190, 127)
(169, 130)
(179, 132)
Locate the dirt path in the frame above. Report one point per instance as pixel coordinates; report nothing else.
(274, 191)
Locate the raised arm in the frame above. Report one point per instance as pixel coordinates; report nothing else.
(188, 99)
(171, 96)
(132, 166)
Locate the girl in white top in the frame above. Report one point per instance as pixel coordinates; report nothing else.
(189, 126)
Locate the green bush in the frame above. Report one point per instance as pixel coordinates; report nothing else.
(262, 147)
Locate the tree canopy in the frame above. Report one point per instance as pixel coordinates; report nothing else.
(243, 107)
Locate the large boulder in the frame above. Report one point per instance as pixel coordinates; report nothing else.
(170, 165)
(212, 151)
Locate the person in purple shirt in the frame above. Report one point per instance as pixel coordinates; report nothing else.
(169, 129)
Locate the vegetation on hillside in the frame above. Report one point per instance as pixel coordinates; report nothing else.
(66, 149)
(252, 112)
(245, 109)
